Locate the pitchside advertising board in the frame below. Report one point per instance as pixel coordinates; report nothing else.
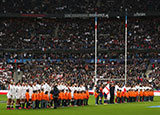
(59, 60)
(91, 92)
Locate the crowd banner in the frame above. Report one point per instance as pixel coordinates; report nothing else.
(3, 92)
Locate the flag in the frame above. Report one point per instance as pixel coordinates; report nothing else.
(106, 90)
(124, 89)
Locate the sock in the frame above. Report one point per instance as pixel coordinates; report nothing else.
(16, 106)
(100, 101)
(107, 101)
(8, 106)
(23, 105)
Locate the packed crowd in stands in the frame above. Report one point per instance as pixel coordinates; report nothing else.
(155, 75)
(78, 34)
(74, 68)
(85, 6)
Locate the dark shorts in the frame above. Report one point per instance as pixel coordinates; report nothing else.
(101, 95)
(105, 96)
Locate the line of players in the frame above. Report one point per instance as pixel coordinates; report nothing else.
(36, 95)
(124, 94)
(134, 95)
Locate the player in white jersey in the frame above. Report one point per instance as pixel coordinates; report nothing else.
(27, 86)
(30, 94)
(116, 88)
(83, 87)
(59, 86)
(23, 92)
(9, 96)
(13, 92)
(46, 87)
(34, 87)
(76, 87)
(18, 95)
(38, 86)
(72, 88)
(137, 87)
(30, 90)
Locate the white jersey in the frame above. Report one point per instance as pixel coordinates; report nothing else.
(38, 87)
(30, 92)
(13, 90)
(27, 87)
(128, 88)
(137, 87)
(144, 88)
(76, 88)
(116, 88)
(80, 88)
(9, 94)
(72, 91)
(18, 92)
(83, 88)
(120, 88)
(49, 89)
(148, 87)
(34, 88)
(62, 87)
(46, 87)
(65, 88)
(133, 88)
(10, 89)
(23, 91)
(59, 87)
(141, 88)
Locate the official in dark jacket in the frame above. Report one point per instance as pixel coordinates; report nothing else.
(55, 96)
(112, 88)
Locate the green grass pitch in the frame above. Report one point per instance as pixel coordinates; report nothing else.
(92, 109)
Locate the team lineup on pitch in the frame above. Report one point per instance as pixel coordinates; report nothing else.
(43, 96)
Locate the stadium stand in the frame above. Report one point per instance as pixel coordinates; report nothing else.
(85, 6)
(42, 41)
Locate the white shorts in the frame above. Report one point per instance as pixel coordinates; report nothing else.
(9, 96)
(18, 97)
(13, 97)
(23, 97)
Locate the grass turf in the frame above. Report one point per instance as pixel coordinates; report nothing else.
(140, 108)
